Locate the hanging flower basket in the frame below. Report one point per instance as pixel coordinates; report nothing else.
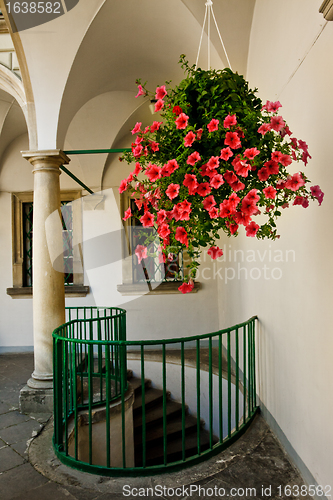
(217, 160)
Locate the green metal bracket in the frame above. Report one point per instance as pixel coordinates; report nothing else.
(88, 152)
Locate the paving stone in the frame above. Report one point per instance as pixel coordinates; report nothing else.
(19, 481)
(49, 491)
(21, 447)
(12, 418)
(4, 407)
(10, 396)
(19, 432)
(9, 459)
(86, 494)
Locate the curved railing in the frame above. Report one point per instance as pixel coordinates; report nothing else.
(210, 376)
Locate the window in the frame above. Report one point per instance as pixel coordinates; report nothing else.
(153, 275)
(22, 213)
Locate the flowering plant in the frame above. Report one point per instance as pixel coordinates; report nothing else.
(217, 160)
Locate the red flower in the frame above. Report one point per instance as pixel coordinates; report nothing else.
(241, 167)
(137, 151)
(123, 186)
(147, 220)
(128, 214)
(137, 169)
(252, 196)
(295, 182)
(189, 139)
(209, 202)
(159, 105)
(137, 128)
(317, 193)
(285, 160)
(177, 110)
(161, 216)
(172, 191)
(252, 229)
(155, 126)
(237, 186)
(190, 181)
(169, 168)
(141, 252)
(213, 213)
(163, 230)
(181, 121)
(213, 125)
(263, 174)
(271, 107)
(269, 192)
(193, 158)
(141, 91)
(216, 181)
(272, 167)
(203, 189)
(154, 146)
(186, 287)
(226, 153)
(153, 172)
(215, 252)
(251, 153)
(233, 201)
(181, 235)
(230, 177)
(226, 209)
(213, 162)
(264, 128)
(160, 92)
(199, 133)
(230, 121)
(232, 140)
(277, 123)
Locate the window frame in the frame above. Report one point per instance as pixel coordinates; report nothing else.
(129, 287)
(77, 289)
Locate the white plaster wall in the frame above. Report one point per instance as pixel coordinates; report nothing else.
(295, 342)
(16, 314)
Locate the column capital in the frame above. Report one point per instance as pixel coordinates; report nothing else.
(49, 156)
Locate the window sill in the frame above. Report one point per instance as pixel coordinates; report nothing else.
(165, 288)
(23, 292)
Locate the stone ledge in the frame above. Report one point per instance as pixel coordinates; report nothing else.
(165, 288)
(21, 292)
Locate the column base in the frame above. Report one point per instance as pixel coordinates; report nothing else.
(33, 400)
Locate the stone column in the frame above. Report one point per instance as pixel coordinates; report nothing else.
(48, 283)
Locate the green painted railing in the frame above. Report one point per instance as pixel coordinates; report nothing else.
(215, 376)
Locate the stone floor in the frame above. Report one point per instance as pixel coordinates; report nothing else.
(255, 466)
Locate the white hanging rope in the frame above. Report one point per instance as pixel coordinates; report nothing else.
(209, 10)
(202, 32)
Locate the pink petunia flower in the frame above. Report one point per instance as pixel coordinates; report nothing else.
(189, 139)
(241, 167)
(137, 128)
(230, 121)
(190, 181)
(137, 169)
(213, 125)
(232, 140)
(269, 192)
(154, 146)
(137, 151)
(251, 153)
(215, 252)
(153, 172)
(226, 209)
(226, 153)
(252, 229)
(155, 126)
(147, 220)
(272, 167)
(276, 156)
(209, 202)
(271, 107)
(317, 193)
(123, 186)
(141, 91)
(128, 214)
(295, 182)
(163, 230)
(199, 133)
(172, 191)
(203, 189)
(249, 207)
(160, 92)
(263, 174)
(141, 252)
(264, 128)
(193, 158)
(181, 235)
(252, 196)
(216, 181)
(285, 160)
(159, 105)
(213, 213)
(277, 123)
(181, 121)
